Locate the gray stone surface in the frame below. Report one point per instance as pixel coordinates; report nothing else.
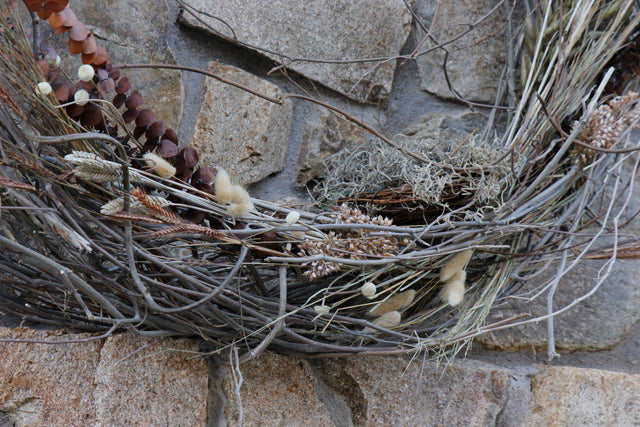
(239, 131)
(476, 60)
(136, 33)
(385, 391)
(124, 380)
(326, 30)
(565, 396)
(322, 137)
(598, 323)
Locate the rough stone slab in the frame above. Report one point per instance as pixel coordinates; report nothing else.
(135, 33)
(597, 323)
(44, 384)
(239, 131)
(322, 137)
(384, 391)
(322, 29)
(276, 391)
(475, 60)
(141, 383)
(567, 396)
(101, 382)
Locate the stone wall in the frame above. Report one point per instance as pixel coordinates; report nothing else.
(504, 380)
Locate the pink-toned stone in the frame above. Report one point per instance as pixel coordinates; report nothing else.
(119, 381)
(43, 384)
(142, 383)
(567, 396)
(276, 391)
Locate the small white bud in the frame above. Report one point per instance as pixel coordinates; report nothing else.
(54, 62)
(86, 72)
(43, 88)
(368, 289)
(292, 217)
(321, 309)
(81, 97)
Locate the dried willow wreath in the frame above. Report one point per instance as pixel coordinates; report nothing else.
(105, 227)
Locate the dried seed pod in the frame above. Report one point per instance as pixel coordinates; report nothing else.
(33, 5)
(78, 33)
(101, 56)
(190, 156)
(171, 135)
(76, 47)
(91, 116)
(167, 149)
(44, 66)
(123, 86)
(114, 72)
(61, 91)
(118, 100)
(90, 45)
(130, 115)
(55, 5)
(394, 303)
(134, 100)
(155, 130)
(44, 14)
(457, 263)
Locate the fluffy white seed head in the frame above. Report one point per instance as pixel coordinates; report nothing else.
(394, 303)
(86, 72)
(292, 217)
(81, 97)
(239, 194)
(159, 166)
(457, 263)
(240, 209)
(321, 309)
(43, 88)
(453, 291)
(223, 187)
(368, 289)
(233, 195)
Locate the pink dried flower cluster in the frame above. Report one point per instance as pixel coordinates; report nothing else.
(355, 244)
(608, 122)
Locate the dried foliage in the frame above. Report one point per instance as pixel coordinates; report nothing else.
(92, 238)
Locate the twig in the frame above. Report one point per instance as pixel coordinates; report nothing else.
(279, 324)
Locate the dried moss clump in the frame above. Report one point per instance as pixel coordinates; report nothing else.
(462, 166)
